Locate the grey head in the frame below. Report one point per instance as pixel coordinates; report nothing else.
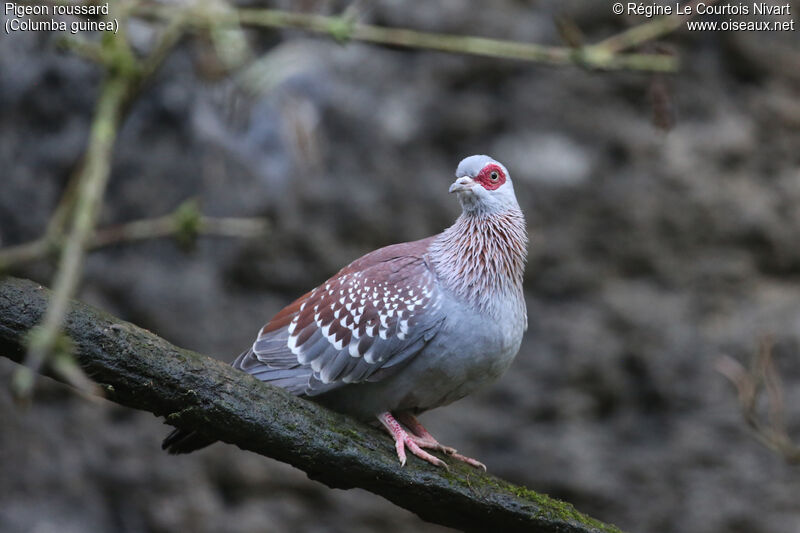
(484, 186)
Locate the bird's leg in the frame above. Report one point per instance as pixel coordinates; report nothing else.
(403, 439)
(421, 435)
(424, 439)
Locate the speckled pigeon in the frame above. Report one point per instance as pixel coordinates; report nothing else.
(408, 327)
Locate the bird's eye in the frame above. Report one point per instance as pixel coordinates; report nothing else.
(494, 176)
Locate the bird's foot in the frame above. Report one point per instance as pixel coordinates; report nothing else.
(420, 438)
(402, 440)
(424, 439)
(469, 460)
(432, 444)
(451, 452)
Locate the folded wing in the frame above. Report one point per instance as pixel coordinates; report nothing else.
(363, 324)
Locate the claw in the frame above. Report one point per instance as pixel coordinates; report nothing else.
(401, 452)
(425, 440)
(469, 460)
(402, 440)
(419, 438)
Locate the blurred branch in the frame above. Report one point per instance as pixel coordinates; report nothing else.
(25, 253)
(141, 370)
(649, 31)
(91, 188)
(80, 204)
(600, 56)
(79, 45)
(185, 224)
(168, 226)
(749, 383)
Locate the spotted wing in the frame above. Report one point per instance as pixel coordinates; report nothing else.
(361, 325)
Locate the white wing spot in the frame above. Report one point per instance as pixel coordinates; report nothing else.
(292, 344)
(353, 349)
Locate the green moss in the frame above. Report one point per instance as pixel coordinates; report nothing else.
(550, 508)
(456, 478)
(341, 29)
(187, 220)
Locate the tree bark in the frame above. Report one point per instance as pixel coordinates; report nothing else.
(141, 370)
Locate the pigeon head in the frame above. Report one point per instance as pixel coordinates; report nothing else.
(483, 186)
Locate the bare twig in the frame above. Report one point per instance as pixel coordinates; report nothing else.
(171, 225)
(749, 384)
(90, 194)
(25, 253)
(344, 29)
(648, 31)
(141, 370)
(169, 37)
(154, 228)
(83, 197)
(79, 45)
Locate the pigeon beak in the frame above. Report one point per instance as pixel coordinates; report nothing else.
(464, 183)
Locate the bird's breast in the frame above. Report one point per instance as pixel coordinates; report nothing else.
(472, 350)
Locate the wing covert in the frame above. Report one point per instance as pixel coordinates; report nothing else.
(361, 325)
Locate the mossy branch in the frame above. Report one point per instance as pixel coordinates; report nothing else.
(138, 369)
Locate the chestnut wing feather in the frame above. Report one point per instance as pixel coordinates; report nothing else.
(363, 324)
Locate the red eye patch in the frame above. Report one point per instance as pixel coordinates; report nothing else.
(491, 177)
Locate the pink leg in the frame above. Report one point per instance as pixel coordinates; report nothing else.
(421, 435)
(425, 440)
(403, 439)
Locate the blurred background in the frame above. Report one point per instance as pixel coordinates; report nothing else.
(663, 217)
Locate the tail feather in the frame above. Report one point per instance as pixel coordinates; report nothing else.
(293, 378)
(186, 441)
(182, 441)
